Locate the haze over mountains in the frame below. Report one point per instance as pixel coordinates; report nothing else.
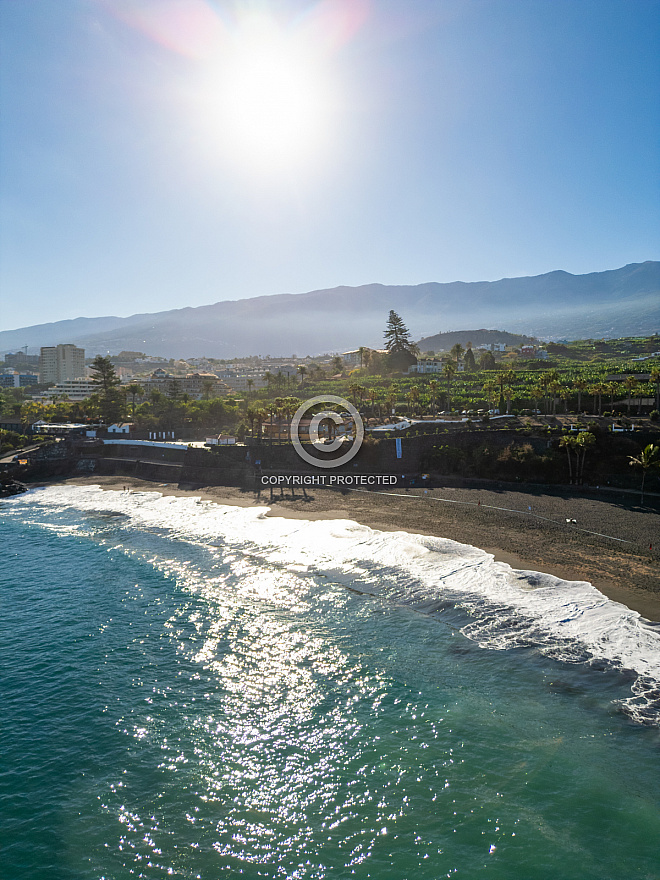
(620, 302)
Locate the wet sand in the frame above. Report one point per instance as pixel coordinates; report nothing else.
(608, 545)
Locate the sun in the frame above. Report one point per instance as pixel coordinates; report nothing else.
(258, 89)
(273, 102)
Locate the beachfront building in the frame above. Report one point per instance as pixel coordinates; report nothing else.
(57, 363)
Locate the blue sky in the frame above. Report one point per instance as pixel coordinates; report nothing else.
(146, 162)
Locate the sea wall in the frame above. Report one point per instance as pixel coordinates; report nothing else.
(509, 455)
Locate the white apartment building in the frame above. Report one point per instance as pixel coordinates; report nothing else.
(70, 389)
(427, 365)
(434, 365)
(57, 363)
(239, 381)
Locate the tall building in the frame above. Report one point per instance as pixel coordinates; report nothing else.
(60, 362)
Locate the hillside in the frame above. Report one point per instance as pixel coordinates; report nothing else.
(620, 302)
(445, 341)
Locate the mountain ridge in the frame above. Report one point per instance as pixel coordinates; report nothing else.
(616, 302)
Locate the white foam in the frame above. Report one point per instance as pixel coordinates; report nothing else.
(569, 620)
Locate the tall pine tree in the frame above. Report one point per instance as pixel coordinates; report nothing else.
(112, 402)
(402, 351)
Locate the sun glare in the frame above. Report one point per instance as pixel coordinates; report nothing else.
(273, 104)
(262, 91)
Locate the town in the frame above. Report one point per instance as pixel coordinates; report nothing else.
(492, 409)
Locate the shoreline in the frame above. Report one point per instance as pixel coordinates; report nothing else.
(606, 546)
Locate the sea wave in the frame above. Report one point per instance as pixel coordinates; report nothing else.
(504, 608)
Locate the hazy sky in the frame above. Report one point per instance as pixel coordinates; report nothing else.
(163, 153)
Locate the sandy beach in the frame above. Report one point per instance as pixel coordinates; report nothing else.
(607, 545)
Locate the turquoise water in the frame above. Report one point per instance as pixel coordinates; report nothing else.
(178, 702)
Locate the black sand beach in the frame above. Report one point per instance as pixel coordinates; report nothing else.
(607, 545)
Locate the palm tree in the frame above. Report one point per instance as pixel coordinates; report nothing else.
(581, 385)
(251, 415)
(536, 393)
(612, 389)
(448, 371)
(373, 398)
(290, 406)
(642, 390)
(655, 380)
(433, 392)
(555, 387)
(413, 396)
(260, 416)
(134, 390)
(491, 392)
(568, 443)
(316, 373)
(509, 378)
(601, 388)
(354, 388)
(250, 385)
(648, 458)
(390, 401)
(579, 446)
(547, 381)
(630, 384)
(31, 412)
(457, 353)
(585, 441)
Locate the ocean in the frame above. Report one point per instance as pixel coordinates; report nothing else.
(197, 691)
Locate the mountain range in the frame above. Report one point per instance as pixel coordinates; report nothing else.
(619, 302)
